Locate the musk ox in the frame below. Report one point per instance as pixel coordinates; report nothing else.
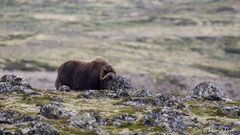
(81, 75)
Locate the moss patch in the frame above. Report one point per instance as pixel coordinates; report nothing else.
(35, 99)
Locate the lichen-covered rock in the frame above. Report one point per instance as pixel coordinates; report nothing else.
(220, 126)
(167, 119)
(141, 93)
(39, 128)
(233, 111)
(90, 94)
(64, 88)
(12, 117)
(86, 120)
(24, 90)
(53, 112)
(5, 117)
(166, 100)
(127, 117)
(5, 88)
(208, 91)
(58, 104)
(16, 80)
(117, 94)
(121, 83)
(113, 121)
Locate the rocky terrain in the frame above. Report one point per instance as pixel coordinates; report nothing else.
(123, 109)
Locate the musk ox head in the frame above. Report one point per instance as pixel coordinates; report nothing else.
(107, 75)
(108, 80)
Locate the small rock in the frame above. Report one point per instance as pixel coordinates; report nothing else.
(166, 100)
(53, 112)
(39, 128)
(55, 103)
(127, 117)
(86, 120)
(220, 126)
(167, 119)
(5, 117)
(115, 122)
(64, 88)
(57, 99)
(141, 93)
(24, 90)
(12, 117)
(233, 111)
(209, 91)
(90, 94)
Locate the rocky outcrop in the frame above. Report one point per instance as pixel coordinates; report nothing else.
(167, 119)
(209, 91)
(12, 83)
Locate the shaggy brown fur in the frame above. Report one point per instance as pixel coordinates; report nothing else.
(81, 75)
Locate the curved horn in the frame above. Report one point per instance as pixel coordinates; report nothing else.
(110, 74)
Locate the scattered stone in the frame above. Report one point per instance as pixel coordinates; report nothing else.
(115, 122)
(39, 128)
(209, 91)
(141, 93)
(24, 90)
(64, 88)
(5, 117)
(12, 117)
(53, 112)
(127, 117)
(220, 126)
(168, 119)
(90, 94)
(55, 103)
(233, 111)
(57, 99)
(166, 100)
(16, 81)
(86, 120)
